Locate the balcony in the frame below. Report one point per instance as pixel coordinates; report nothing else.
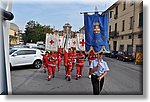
(113, 34)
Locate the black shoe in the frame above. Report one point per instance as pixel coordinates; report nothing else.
(53, 76)
(76, 78)
(69, 79)
(65, 77)
(79, 77)
(44, 71)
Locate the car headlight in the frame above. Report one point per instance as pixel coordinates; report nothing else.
(126, 57)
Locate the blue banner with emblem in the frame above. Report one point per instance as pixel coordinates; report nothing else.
(96, 32)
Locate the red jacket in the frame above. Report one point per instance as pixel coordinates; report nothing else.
(52, 60)
(80, 59)
(69, 62)
(45, 59)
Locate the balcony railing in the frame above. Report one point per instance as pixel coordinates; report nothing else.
(113, 34)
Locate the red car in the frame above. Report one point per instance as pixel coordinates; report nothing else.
(124, 56)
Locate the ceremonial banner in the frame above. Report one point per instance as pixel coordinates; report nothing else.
(81, 42)
(60, 41)
(67, 45)
(51, 42)
(96, 32)
(74, 42)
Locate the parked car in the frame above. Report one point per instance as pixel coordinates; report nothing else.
(113, 54)
(124, 56)
(25, 56)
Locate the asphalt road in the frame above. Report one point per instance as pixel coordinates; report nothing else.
(123, 78)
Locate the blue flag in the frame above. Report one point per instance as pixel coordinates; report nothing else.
(96, 32)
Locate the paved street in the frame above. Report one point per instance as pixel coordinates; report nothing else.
(123, 78)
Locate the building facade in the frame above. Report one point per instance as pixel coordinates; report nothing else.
(126, 26)
(67, 29)
(14, 34)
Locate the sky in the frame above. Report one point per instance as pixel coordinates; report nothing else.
(55, 12)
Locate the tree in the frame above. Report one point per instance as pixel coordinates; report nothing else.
(35, 32)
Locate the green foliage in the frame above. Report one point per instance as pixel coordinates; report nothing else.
(35, 32)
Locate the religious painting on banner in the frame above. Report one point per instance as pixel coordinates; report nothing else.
(51, 42)
(96, 32)
(60, 41)
(81, 42)
(74, 42)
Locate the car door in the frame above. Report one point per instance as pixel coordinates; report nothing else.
(30, 56)
(18, 58)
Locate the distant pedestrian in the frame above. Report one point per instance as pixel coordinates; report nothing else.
(99, 71)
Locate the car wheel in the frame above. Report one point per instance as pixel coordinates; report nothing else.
(37, 64)
(123, 60)
(117, 58)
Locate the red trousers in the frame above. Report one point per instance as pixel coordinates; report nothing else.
(79, 68)
(45, 66)
(51, 70)
(59, 63)
(68, 71)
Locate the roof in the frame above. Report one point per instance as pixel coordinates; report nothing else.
(14, 27)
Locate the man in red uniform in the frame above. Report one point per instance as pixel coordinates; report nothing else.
(79, 65)
(68, 66)
(73, 58)
(51, 65)
(59, 59)
(45, 61)
(91, 58)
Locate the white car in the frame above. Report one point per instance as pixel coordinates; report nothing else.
(25, 56)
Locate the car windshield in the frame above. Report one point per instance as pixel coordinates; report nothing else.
(11, 51)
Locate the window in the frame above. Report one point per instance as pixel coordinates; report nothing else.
(20, 52)
(28, 52)
(129, 49)
(124, 5)
(139, 48)
(121, 48)
(130, 37)
(109, 29)
(116, 10)
(115, 27)
(141, 19)
(122, 37)
(140, 36)
(123, 25)
(110, 14)
(131, 22)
